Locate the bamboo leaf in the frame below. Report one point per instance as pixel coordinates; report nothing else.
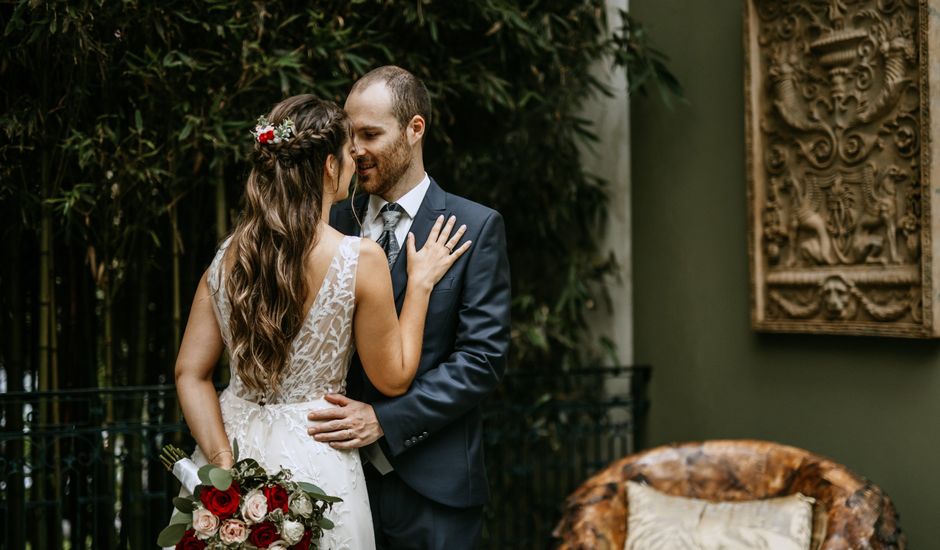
(187, 129)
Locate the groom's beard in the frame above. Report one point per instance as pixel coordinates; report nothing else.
(390, 167)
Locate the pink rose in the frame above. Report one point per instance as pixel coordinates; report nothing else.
(234, 531)
(205, 523)
(254, 506)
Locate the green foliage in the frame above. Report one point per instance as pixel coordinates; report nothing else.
(221, 478)
(171, 534)
(184, 505)
(121, 115)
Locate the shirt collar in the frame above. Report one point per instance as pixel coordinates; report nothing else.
(410, 201)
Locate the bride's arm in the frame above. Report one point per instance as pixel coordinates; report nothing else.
(199, 352)
(389, 345)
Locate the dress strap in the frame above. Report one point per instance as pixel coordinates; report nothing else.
(216, 267)
(349, 262)
(217, 288)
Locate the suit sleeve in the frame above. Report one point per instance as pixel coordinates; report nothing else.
(443, 394)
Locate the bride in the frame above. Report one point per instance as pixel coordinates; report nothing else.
(287, 295)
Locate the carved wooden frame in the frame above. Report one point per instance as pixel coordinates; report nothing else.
(841, 236)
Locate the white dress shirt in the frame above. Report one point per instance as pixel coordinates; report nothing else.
(372, 228)
(410, 202)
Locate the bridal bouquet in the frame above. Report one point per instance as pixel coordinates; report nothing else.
(244, 507)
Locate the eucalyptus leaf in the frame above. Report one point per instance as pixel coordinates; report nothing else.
(203, 474)
(310, 488)
(221, 478)
(179, 517)
(171, 534)
(183, 504)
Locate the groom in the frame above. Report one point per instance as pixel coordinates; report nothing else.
(423, 451)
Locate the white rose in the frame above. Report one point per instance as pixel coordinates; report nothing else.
(279, 545)
(292, 531)
(254, 506)
(300, 504)
(205, 523)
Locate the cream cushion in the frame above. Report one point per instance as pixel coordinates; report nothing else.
(661, 522)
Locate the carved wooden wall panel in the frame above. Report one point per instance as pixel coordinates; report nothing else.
(840, 185)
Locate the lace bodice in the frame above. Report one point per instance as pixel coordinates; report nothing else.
(322, 349)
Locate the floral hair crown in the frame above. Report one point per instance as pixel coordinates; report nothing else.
(265, 132)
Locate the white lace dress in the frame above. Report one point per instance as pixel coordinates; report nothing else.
(275, 433)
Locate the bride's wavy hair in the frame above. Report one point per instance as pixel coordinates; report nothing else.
(283, 201)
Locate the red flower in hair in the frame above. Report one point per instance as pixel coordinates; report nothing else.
(266, 137)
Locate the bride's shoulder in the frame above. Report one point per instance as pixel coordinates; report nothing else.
(371, 253)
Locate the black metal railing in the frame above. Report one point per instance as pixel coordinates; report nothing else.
(79, 468)
(540, 449)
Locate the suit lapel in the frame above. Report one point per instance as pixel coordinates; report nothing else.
(344, 221)
(431, 207)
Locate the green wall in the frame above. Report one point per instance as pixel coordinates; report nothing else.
(872, 404)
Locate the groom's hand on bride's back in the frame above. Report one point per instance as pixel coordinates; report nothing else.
(349, 425)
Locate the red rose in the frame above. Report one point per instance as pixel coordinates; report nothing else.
(223, 504)
(263, 535)
(277, 497)
(304, 543)
(266, 137)
(190, 542)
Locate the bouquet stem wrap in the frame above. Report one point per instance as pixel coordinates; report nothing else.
(182, 467)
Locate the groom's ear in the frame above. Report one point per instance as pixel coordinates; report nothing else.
(415, 129)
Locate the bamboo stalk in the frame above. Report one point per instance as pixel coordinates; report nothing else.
(176, 251)
(45, 309)
(134, 509)
(221, 207)
(16, 494)
(57, 486)
(41, 483)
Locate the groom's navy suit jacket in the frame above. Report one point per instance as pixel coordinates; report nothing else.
(433, 433)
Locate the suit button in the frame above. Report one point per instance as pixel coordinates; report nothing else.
(408, 443)
(424, 434)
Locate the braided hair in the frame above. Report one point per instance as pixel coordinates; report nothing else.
(277, 230)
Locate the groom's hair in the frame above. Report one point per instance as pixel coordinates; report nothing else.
(409, 95)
